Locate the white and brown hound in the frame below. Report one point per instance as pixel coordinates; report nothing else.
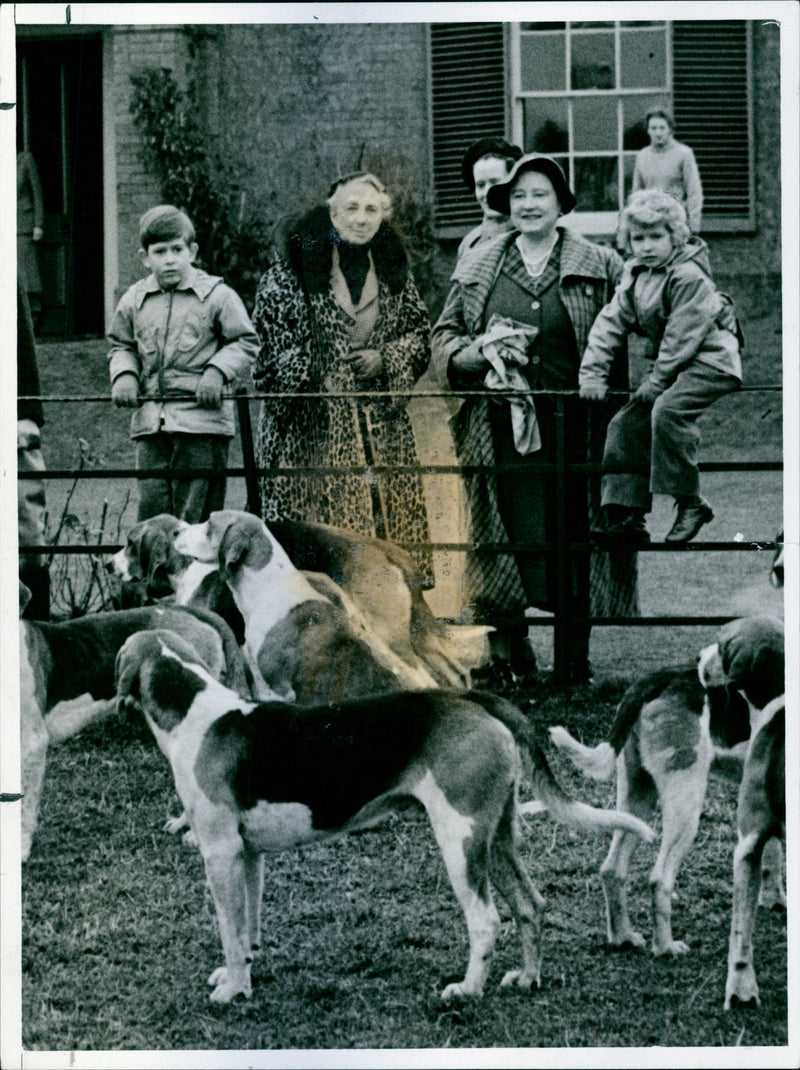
(761, 808)
(375, 577)
(262, 777)
(308, 640)
(67, 680)
(667, 732)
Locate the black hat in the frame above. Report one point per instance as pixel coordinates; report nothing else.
(487, 146)
(498, 196)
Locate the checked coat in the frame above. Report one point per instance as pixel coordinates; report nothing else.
(586, 276)
(306, 333)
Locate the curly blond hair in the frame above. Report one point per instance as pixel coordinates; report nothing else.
(653, 208)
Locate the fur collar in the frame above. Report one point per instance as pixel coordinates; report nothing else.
(309, 248)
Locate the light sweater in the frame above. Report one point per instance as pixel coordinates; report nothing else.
(673, 169)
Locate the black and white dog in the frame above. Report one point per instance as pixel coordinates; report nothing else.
(669, 728)
(262, 777)
(67, 679)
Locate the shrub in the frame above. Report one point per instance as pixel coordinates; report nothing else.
(174, 148)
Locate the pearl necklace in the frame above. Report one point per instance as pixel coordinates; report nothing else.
(536, 265)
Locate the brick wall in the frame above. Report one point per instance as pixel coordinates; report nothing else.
(758, 255)
(298, 102)
(289, 107)
(137, 188)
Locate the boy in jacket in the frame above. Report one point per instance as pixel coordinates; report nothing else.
(666, 293)
(179, 337)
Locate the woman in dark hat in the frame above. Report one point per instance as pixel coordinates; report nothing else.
(485, 163)
(547, 284)
(339, 313)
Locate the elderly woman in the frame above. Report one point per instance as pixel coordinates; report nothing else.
(338, 313)
(484, 164)
(528, 299)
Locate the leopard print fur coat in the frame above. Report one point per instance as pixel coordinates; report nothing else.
(304, 335)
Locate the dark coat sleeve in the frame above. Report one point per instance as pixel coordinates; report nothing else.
(27, 367)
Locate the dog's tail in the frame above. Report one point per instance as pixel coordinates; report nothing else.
(580, 815)
(547, 789)
(597, 762)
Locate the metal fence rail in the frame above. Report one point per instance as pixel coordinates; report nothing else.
(562, 546)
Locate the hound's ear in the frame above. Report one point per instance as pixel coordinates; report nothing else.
(753, 660)
(126, 677)
(135, 551)
(155, 550)
(233, 549)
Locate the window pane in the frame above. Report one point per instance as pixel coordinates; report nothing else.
(593, 61)
(545, 126)
(542, 25)
(542, 61)
(628, 163)
(589, 25)
(594, 122)
(634, 110)
(643, 59)
(596, 187)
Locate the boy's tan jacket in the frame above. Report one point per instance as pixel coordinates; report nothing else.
(168, 338)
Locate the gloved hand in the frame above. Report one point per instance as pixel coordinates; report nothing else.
(125, 391)
(594, 391)
(647, 391)
(367, 363)
(209, 389)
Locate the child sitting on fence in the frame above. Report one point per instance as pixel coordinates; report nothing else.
(178, 338)
(667, 294)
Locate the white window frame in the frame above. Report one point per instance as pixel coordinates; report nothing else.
(592, 223)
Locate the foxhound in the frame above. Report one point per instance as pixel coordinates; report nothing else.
(308, 641)
(74, 660)
(259, 777)
(374, 577)
(760, 811)
(667, 732)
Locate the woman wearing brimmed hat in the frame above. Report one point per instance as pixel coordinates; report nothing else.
(484, 164)
(338, 313)
(543, 286)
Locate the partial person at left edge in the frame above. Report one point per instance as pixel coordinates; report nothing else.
(30, 230)
(31, 507)
(179, 338)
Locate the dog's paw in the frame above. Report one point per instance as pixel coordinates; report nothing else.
(224, 990)
(520, 979)
(190, 838)
(772, 897)
(627, 941)
(673, 948)
(741, 988)
(457, 993)
(176, 824)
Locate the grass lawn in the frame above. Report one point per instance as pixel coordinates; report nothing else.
(119, 932)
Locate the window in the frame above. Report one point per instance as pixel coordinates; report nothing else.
(580, 91)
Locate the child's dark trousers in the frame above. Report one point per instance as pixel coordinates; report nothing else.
(664, 436)
(190, 499)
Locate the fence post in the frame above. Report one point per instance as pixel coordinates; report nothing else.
(248, 452)
(562, 561)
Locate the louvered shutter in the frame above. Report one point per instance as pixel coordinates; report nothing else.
(468, 102)
(711, 103)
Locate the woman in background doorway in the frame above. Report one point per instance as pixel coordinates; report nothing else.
(669, 165)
